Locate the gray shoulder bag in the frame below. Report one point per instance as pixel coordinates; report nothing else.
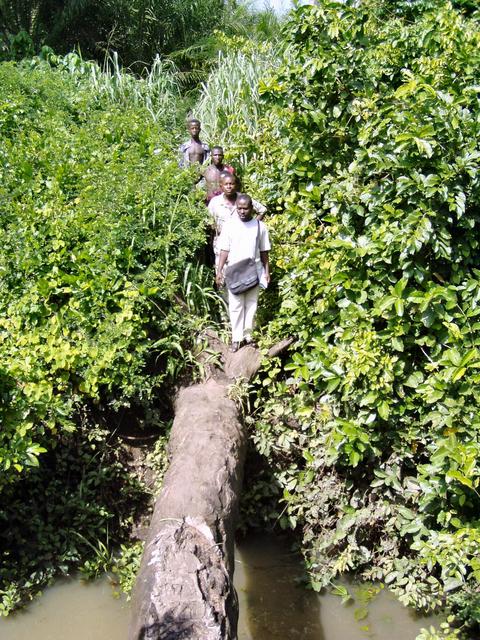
(243, 275)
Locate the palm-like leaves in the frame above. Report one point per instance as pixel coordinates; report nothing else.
(138, 30)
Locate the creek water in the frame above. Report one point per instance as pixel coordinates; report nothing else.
(273, 606)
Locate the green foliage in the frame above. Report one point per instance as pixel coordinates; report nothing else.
(66, 516)
(157, 460)
(242, 26)
(21, 46)
(126, 565)
(97, 232)
(146, 29)
(233, 115)
(157, 91)
(188, 31)
(373, 426)
(33, 23)
(229, 101)
(465, 603)
(120, 565)
(100, 260)
(446, 632)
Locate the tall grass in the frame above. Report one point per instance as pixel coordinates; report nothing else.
(158, 89)
(230, 99)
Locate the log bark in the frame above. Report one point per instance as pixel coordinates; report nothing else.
(184, 589)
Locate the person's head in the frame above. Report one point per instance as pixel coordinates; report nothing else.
(194, 127)
(244, 207)
(228, 184)
(217, 156)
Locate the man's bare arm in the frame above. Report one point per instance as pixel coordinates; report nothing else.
(221, 263)
(266, 264)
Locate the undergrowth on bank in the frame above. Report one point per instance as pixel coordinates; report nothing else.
(70, 514)
(102, 294)
(367, 147)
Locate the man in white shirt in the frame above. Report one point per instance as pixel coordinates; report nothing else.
(223, 206)
(243, 237)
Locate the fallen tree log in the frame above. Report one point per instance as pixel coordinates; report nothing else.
(184, 589)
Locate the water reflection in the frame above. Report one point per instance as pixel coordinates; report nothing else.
(273, 606)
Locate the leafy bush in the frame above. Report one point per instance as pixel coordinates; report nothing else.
(374, 431)
(102, 293)
(97, 233)
(67, 515)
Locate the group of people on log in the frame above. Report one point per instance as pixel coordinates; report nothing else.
(240, 243)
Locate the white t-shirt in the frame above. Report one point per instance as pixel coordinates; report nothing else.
(244, 240)
(221, 210)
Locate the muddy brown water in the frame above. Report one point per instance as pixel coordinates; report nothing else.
(273, 606)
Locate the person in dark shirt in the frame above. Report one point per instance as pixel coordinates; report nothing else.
(213, 173)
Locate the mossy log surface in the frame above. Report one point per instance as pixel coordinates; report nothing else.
(184, 589)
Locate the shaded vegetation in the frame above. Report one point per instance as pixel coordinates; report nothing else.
(68, 515)
(139, 31)
(367, 144)
(97, 230)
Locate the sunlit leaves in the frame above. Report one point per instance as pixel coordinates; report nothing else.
(96, 234)
(378, 254)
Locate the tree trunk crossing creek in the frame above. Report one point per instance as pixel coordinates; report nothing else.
(184, 588)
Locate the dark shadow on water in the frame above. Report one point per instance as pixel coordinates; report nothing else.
(273, 605)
